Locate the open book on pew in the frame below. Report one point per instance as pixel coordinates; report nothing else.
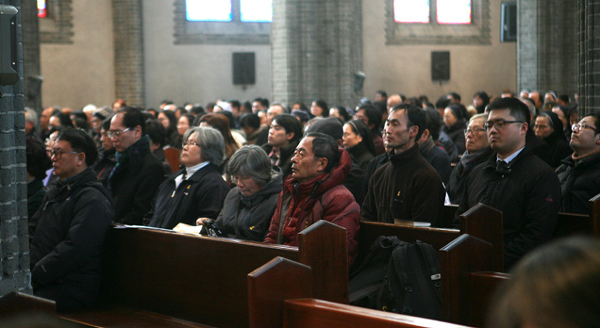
(181, 227)
(412, 223)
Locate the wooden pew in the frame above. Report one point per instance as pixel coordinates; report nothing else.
(481, 221)
(571, 223)
(276, 302)
(479, 249)
(163, 278)
(18, 309)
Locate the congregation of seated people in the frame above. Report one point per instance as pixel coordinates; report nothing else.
(264, 171)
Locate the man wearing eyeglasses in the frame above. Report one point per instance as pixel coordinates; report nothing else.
(68, 230)
(579, 174)
(514, 181)
(138, 173)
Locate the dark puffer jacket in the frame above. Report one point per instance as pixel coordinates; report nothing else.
(68, 233)
(579, 181)
(249, 217)
(324, 198)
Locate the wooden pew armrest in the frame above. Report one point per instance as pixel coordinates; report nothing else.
(318, 313)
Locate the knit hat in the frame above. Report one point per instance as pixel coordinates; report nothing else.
(330, 126)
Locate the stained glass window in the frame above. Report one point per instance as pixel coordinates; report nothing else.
(419, 11)
(411, 11)
(260, 11)
(42, 8)
(208, 10)
(453, 11)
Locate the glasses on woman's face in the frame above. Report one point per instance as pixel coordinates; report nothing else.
(189, 144)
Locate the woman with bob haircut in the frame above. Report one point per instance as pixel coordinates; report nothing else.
(556, 285)
(249, 206)
(198, 190)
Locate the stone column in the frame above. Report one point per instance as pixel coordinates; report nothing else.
(547, 45)
(14, 242)
(316, 50)
(589, 56)
(129, 51)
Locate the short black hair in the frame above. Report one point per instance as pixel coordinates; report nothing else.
(517, 108)
(483, 96)
(382, 93)
(454, 95)
(324, 146)
(64, 119)
(373, 114)
(415, 117)
(133, 117)
(80, 141)
(442, 102)
(596, 117)
(433, 123)
(250, 120)
(235, 103)
(38, 161)
(291, 124)
(156, 132)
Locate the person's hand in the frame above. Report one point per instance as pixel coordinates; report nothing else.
(203, 221)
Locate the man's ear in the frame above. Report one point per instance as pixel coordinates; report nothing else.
(81, 158)
(424, 135)
(322, 164)
(138, 129)
(413, 131)
(524, 127)
(289, 136)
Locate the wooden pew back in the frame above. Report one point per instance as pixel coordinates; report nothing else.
(274, 303)
(571, 223)
(203, 279)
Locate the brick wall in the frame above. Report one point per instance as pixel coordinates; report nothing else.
(547, 45)
(316, 49)
(129, 51)
(14, 247)
(589, 56)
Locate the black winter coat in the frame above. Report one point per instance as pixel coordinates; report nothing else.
(528, 194)
(134, 183)
(249, 217)
(558, 148)
(579, 182)
(456, 184)
(68, 234)
(200, 196)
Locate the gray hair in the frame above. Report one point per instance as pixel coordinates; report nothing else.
(483, 116)
(211, 143)
(31, 115)
(251, 161)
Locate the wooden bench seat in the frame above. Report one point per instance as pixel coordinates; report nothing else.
(168, 279)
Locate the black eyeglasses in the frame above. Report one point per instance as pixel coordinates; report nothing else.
(581, 126)
(58, 153)
(498, 124)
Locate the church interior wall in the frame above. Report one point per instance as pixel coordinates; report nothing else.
(406, 69)
(82, 72)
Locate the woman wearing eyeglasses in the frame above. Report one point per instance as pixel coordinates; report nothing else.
(196, 191)
(250, 205)
(477, 151)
